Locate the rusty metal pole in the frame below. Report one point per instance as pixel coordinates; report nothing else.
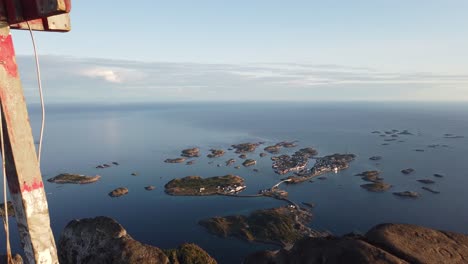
(23, 172)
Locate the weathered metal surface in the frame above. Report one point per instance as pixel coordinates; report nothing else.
(44, 8)
(23, 173)
(18, 11)
(3, 14)
(14, 10)
(57, 23)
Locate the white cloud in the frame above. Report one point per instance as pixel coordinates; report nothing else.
(113, 74)
(105, 74)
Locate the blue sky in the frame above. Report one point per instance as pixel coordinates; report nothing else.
(272, 50)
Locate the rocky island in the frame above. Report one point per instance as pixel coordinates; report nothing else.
(249, 162)
(150, 187)
(370, 176)
(426, 181)
(430, 190)
(307, 152)
(121, 191)
(287, 144)
(191, 153)
(407, 171)
(74, 178)
(405, 132)
(283, 225)
(376, 186)
(198, 186)
(409, 194)
(245, 147)
(230, 162)
(216, 153)
(452, 136)
(275, 149)
(176, 160)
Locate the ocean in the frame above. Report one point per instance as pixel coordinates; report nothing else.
(141, 137)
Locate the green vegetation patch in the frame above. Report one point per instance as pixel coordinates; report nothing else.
(276, 225)
(192, 185)
(189, 254)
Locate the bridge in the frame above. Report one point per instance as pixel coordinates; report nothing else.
(278, 184)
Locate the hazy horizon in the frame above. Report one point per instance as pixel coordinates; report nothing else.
(74, 80)
(253, 51)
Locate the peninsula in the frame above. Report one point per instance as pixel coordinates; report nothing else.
(282, 225)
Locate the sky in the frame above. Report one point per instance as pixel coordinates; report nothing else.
(255, 50)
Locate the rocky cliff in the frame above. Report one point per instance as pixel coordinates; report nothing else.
(383, 244)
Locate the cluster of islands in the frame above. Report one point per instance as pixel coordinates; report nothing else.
(298, 163)
(296, 167)
(286, 225)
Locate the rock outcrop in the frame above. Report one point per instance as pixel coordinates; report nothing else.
(103, 240)
(383, 244)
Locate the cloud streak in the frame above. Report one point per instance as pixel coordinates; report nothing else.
(72, 79)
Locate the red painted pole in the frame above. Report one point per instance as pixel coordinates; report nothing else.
(23, 172)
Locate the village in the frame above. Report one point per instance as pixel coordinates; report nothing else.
(229, 189)
(274, 192)
(284, 164)
(330, 163)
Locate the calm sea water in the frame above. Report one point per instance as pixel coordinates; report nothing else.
(141, 137)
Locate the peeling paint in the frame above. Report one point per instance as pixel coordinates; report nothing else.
(7, 55)
(44, 257)
(35, 202)
(35, 185)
